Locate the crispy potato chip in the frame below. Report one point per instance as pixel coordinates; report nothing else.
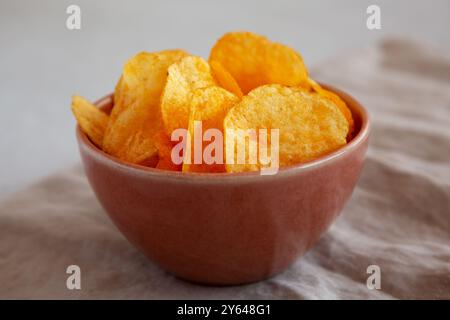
(92, 120)
(164, 146)
(136, 117)
(309, 125)
(119, 94)
(251, 87)
(184, 77)
(338, 101)
(167, 164)
(208, 108)
(224, 79)
(254, 61)
(118, 90)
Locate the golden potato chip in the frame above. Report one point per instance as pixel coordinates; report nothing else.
(224, 79)
(92, 120)
(338, 101)
(254, 61)
(119, 94)
(167, 164)
(208, 108)
(185, 76)
(136, 116)
(308, 126)
(164, 146)
(118, 89)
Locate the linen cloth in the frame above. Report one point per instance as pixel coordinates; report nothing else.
(398, 217)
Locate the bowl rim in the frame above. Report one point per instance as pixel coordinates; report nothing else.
(354, 143)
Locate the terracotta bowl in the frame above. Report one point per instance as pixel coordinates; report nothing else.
(226, 229)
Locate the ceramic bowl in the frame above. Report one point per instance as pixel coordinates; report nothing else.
(226, 229)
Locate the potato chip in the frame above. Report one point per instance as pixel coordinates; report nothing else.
(118, 90)
(309, 125)
(136, 117)
(338, 101)
(164, 146)
(224, 79)
(92, 120)
(119, 95)
(254, 61)
(184, 77)
(208, 108)
(251, 87)
(167, 164)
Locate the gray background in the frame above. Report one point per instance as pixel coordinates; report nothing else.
(42, 63)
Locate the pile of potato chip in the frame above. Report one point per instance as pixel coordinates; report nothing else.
(249, 82)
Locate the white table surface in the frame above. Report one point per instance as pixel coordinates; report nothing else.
(42, 63)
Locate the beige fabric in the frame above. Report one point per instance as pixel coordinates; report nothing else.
(398, 217)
